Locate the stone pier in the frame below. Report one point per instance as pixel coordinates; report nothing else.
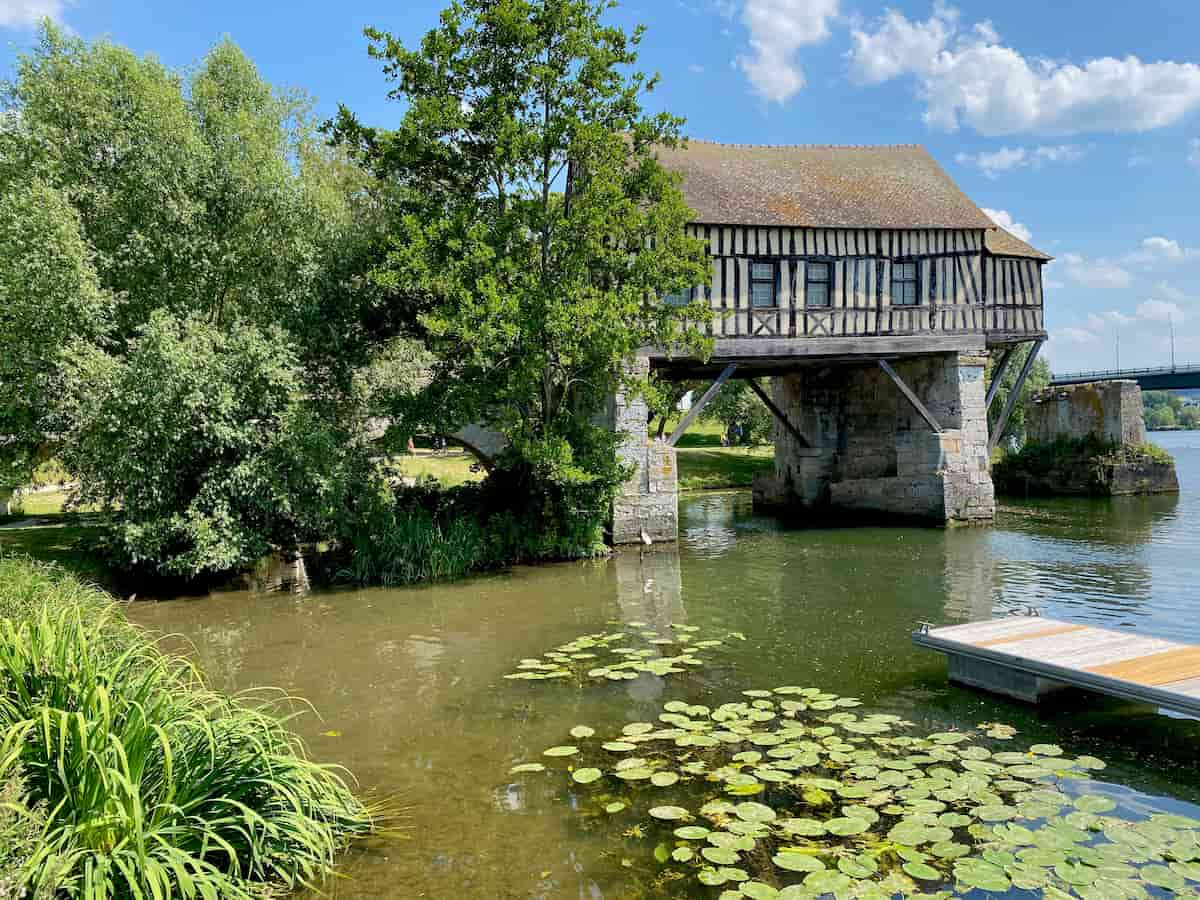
(647, 508)
(871, 453)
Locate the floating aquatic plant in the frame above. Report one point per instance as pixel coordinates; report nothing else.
(788, 794)
(626, 654)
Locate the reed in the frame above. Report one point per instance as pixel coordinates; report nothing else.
(150, 783)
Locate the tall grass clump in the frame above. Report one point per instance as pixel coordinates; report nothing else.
(150, 784)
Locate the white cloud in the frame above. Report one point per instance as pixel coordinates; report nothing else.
(1194, 152)
(1161, 249)
(778, 29)
(23, 13)
(1073, 336)
(1095, 273)
(1159, 311)
(967, 76)
(1172, 293)
(996, 161)
(1103, 320)
(1004, 219)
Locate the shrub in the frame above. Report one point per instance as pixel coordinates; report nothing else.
(200, 446)
(409, 534)
(154, 784)
(1069, 465)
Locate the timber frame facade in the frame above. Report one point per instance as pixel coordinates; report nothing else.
(962, 287)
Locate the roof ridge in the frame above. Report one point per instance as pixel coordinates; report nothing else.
(740, 146)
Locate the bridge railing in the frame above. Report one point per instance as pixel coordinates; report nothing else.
(1125, 374)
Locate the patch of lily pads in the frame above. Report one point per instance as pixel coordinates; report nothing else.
(790, 794)
(623, 654)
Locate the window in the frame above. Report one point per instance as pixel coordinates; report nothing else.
(762, 285)
(678, 298)
(816, 284)
(904, 284)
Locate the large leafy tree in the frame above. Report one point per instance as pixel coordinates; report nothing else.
(536, 230)
(182, 265)
(49, 296)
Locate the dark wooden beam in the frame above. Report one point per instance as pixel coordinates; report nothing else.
(998, 376)
(912, 398)
(779, 414)
(1013, 396)
(699, 405)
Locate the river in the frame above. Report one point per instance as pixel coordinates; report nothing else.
(409, 683)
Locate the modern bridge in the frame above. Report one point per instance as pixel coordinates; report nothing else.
(1165, 378)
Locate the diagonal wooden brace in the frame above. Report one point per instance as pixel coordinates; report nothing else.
(997, 378)
(911, 397)
(779, 414)
(698, 406)
(1013, 396)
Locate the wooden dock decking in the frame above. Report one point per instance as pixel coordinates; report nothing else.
(1030, 657)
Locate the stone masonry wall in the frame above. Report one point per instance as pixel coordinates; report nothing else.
(1110, 410)
(648, 503)
(872, 452)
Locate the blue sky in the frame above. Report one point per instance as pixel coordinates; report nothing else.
(1077, 121)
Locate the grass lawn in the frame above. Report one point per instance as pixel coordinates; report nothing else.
(706, 469)
(63, 538)
(452, 468)
(705, 465)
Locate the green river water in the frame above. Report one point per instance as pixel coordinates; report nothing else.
(410, 688)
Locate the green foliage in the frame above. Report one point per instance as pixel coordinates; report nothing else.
(536, 229)
(151, 783)
(49, 296)
(1166, 411)
(200, 447)
(1069, 465)
(139, 207)
(1039, 378)
(20, 831)
(425, 532)
(736, 406)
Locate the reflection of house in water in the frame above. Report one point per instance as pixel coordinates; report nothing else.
(650, 590)
(970, 575)
(707, 524)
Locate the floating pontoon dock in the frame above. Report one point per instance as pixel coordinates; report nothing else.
(1030, 657)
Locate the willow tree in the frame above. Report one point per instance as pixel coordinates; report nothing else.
(538, 230)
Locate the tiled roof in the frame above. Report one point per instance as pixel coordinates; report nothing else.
(820, 186)
(1004, 243)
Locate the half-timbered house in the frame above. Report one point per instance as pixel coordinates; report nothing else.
(872, 291)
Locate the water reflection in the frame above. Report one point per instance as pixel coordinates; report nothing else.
(410, 682)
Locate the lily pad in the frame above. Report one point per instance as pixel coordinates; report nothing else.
(561, 751)
(669, 813)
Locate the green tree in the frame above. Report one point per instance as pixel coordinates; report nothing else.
(737, 405)
(1190, 418)
(1161, 418)
(49, 296)
(536, 229)
(198, 444)
(1039, 379)
(113, 133)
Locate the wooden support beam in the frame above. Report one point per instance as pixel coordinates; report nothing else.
(699, 405)
(1013, 396)
(912, 398)
(998, 377)
(779, 414)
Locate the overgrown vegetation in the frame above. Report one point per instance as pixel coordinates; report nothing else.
(145, 782)
(1069, 466)
(1039, 378)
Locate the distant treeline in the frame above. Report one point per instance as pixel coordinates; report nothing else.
(1166, 411)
